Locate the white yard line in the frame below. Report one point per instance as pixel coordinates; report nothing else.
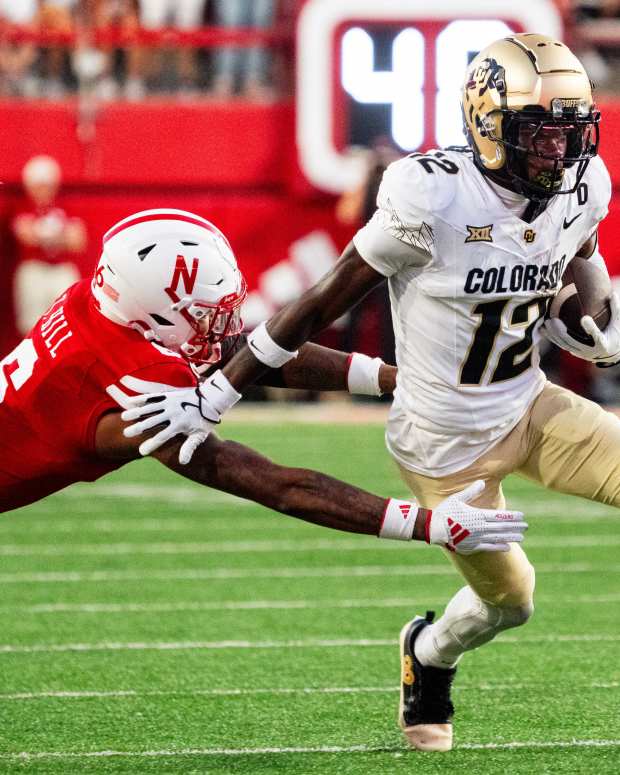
(180, 548)
(230, 605)
(266, 546)
(80, 526)
(268, 605)
(276, 691)
(215, 574)
(557, 508)
(539, 744)
(323, 749)
(205, 524)
(44, 648)
(129, 694)
(173, 493)
(307, 643)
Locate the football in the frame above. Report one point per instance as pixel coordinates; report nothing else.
(585, 291)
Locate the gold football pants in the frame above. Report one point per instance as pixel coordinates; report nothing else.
(563, 442)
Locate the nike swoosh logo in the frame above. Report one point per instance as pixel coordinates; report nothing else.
(572, 220)
(186, 403)
(258, 350)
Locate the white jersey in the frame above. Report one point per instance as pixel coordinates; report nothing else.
(469, 284)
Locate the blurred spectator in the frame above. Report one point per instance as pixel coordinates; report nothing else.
(56, 16)
(183, 15)
(97, 69)
(597, 36)
(597, 8)
(16, 59)
(246, 71)
(48, 242)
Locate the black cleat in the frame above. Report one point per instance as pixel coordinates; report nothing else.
(425, 712)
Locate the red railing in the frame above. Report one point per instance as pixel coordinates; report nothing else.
(115, 37)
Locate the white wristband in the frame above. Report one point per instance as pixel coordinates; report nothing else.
(266, 350)
(363, 375)
(219, 393)
(398, 520)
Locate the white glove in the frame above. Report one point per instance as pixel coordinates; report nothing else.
(467, 529)
(606, 348)
(181, 409)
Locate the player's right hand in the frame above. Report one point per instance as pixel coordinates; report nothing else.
(180, 410)
(605, 348)
(466, 529)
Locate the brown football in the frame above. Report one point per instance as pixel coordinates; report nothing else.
(585, 291)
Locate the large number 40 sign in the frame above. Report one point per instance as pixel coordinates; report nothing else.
(431, 47)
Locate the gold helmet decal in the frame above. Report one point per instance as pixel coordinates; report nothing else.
(535, 80)
(484, 95)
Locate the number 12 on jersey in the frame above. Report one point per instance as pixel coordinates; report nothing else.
(515, 358)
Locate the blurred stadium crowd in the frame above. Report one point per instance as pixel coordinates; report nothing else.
(130, 49)
(200, 50)
(134, 48)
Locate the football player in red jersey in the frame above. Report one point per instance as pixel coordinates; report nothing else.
(166, 296)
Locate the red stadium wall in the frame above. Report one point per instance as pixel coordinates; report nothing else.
(234, 163)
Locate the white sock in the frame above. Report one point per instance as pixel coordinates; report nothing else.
(467, 623)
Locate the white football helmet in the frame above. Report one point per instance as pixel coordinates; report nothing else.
(173, 277)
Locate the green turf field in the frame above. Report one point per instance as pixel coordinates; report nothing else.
(153, 626)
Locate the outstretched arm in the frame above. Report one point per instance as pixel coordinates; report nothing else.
(319, 368)
(341, 288)
(321, 499)
(239, 470)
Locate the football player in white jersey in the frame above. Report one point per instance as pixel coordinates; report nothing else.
(473, 242)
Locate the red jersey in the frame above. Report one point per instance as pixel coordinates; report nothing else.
(53, 393)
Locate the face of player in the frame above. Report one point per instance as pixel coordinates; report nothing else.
(211, 331)
(545, 146)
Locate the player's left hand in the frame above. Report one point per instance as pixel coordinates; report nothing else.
(466, 529)
(606, 348)
(179, 410)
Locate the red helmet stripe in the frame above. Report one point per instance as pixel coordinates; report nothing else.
(163, 217)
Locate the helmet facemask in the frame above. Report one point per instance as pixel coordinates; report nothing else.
(529, 115)
(540, 146)
(211, 324)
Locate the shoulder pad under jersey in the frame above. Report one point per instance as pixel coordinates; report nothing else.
(420, 184)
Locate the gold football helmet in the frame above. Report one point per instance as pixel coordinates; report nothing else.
(529, 114)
